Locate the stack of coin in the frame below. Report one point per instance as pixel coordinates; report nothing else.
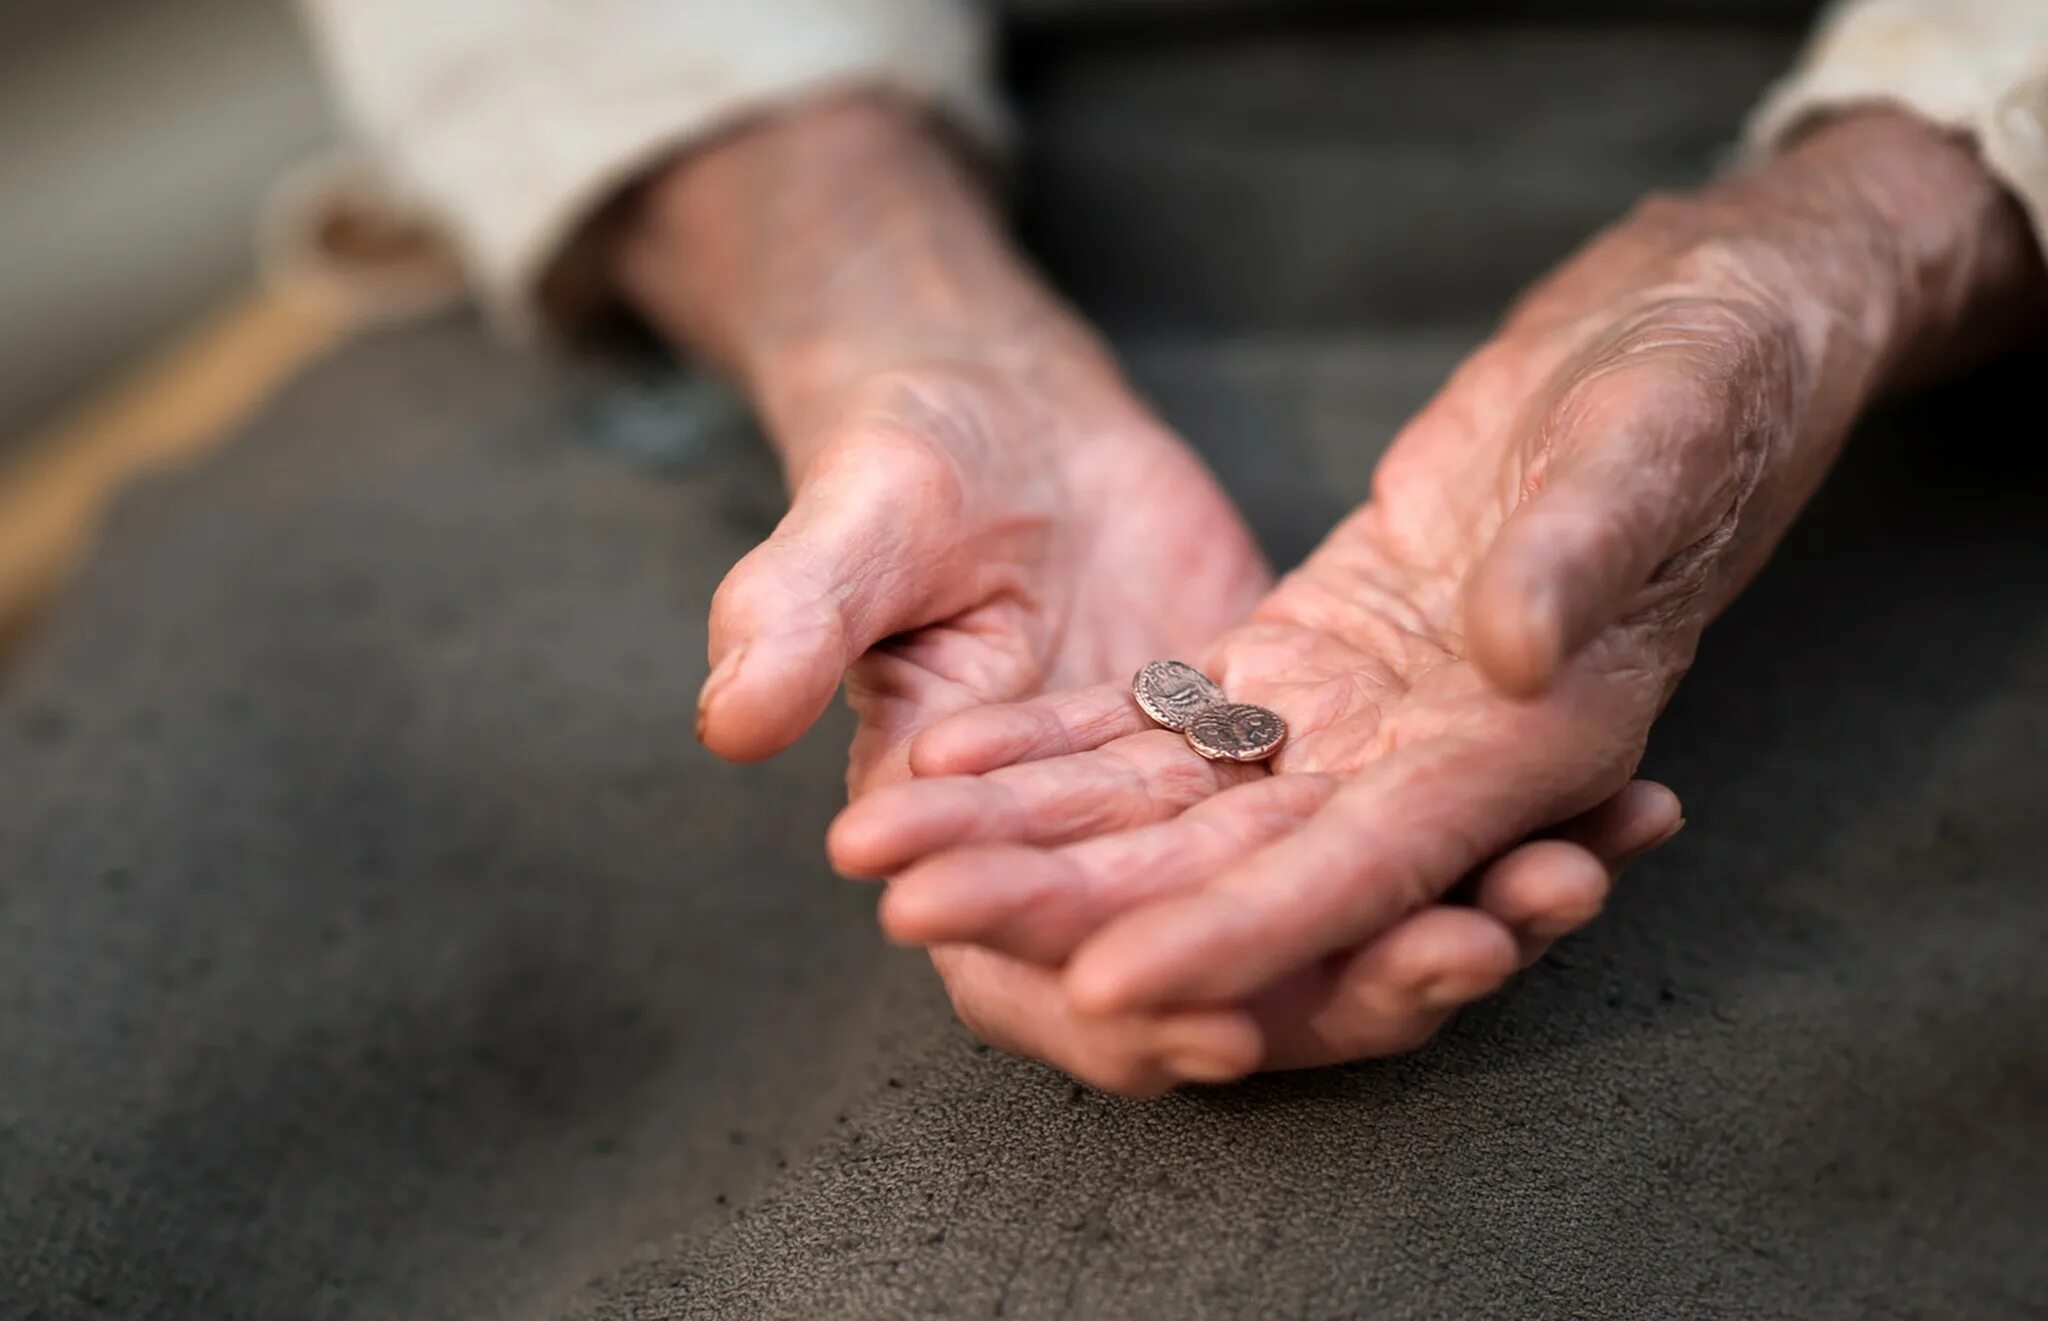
(1181, 697)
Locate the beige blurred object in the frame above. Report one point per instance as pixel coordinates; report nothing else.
(137, 139)
(169, 409)
(1979, 67)
(513, 122)
(338, 253)
(333, 236)
(490, 144)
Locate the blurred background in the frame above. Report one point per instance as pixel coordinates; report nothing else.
(137, 138)
(140, 138)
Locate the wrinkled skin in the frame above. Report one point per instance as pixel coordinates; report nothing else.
(990, 547)
(989, 534)
(1398, 655)
(1117, 549)
(962, 538)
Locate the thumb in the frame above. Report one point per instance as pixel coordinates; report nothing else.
(1650, 465)
(861, 555)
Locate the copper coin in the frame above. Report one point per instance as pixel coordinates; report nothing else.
(1237, 731)
(1174, 692)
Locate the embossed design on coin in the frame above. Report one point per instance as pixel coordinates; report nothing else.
(1237, 731)
(1174, 693)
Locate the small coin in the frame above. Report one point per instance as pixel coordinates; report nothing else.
(1237, 731)
(1173, 692)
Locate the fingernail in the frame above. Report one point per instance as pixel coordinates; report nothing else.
(1652, 846)
(721, 675)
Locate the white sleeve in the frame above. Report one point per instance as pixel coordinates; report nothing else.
(511, 122)
(1977, 66)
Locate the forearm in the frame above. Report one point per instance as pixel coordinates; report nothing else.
(808, 250)
(1671, 397)
(1895, 229)
(1879, 244)
(1890, 255)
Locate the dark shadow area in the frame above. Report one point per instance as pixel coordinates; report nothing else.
(1362, 177)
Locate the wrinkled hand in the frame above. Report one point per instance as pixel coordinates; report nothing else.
(961, 543)
(1388, 994)
(966, 534)
(982, 510)
(1481, 649)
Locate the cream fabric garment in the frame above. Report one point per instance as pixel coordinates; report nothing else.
(1977, 66)
(504, 124)
(507, 123)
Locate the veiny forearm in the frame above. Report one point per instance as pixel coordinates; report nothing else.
(845, 237)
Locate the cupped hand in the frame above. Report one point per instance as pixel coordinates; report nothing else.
(1068, 830)
(964, 533)
(1389, 994)
(1001, 546)
(981, 508)
(983, 511)
(961, 542)
(1482, 648)
(1217, 918)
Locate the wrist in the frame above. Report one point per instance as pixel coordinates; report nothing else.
(1895, 229)
(847, 237)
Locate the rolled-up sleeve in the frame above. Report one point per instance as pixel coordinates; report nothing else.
(1979, 67)
(511, 122)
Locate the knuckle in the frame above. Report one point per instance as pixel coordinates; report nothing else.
(1737, 341)
(1677, 394)
(736, 593)
(1157, 778)
(1050, 734)
(1292, 799)
(1406, 883)
(771, 587)
(1172, 783)
(883, 458)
